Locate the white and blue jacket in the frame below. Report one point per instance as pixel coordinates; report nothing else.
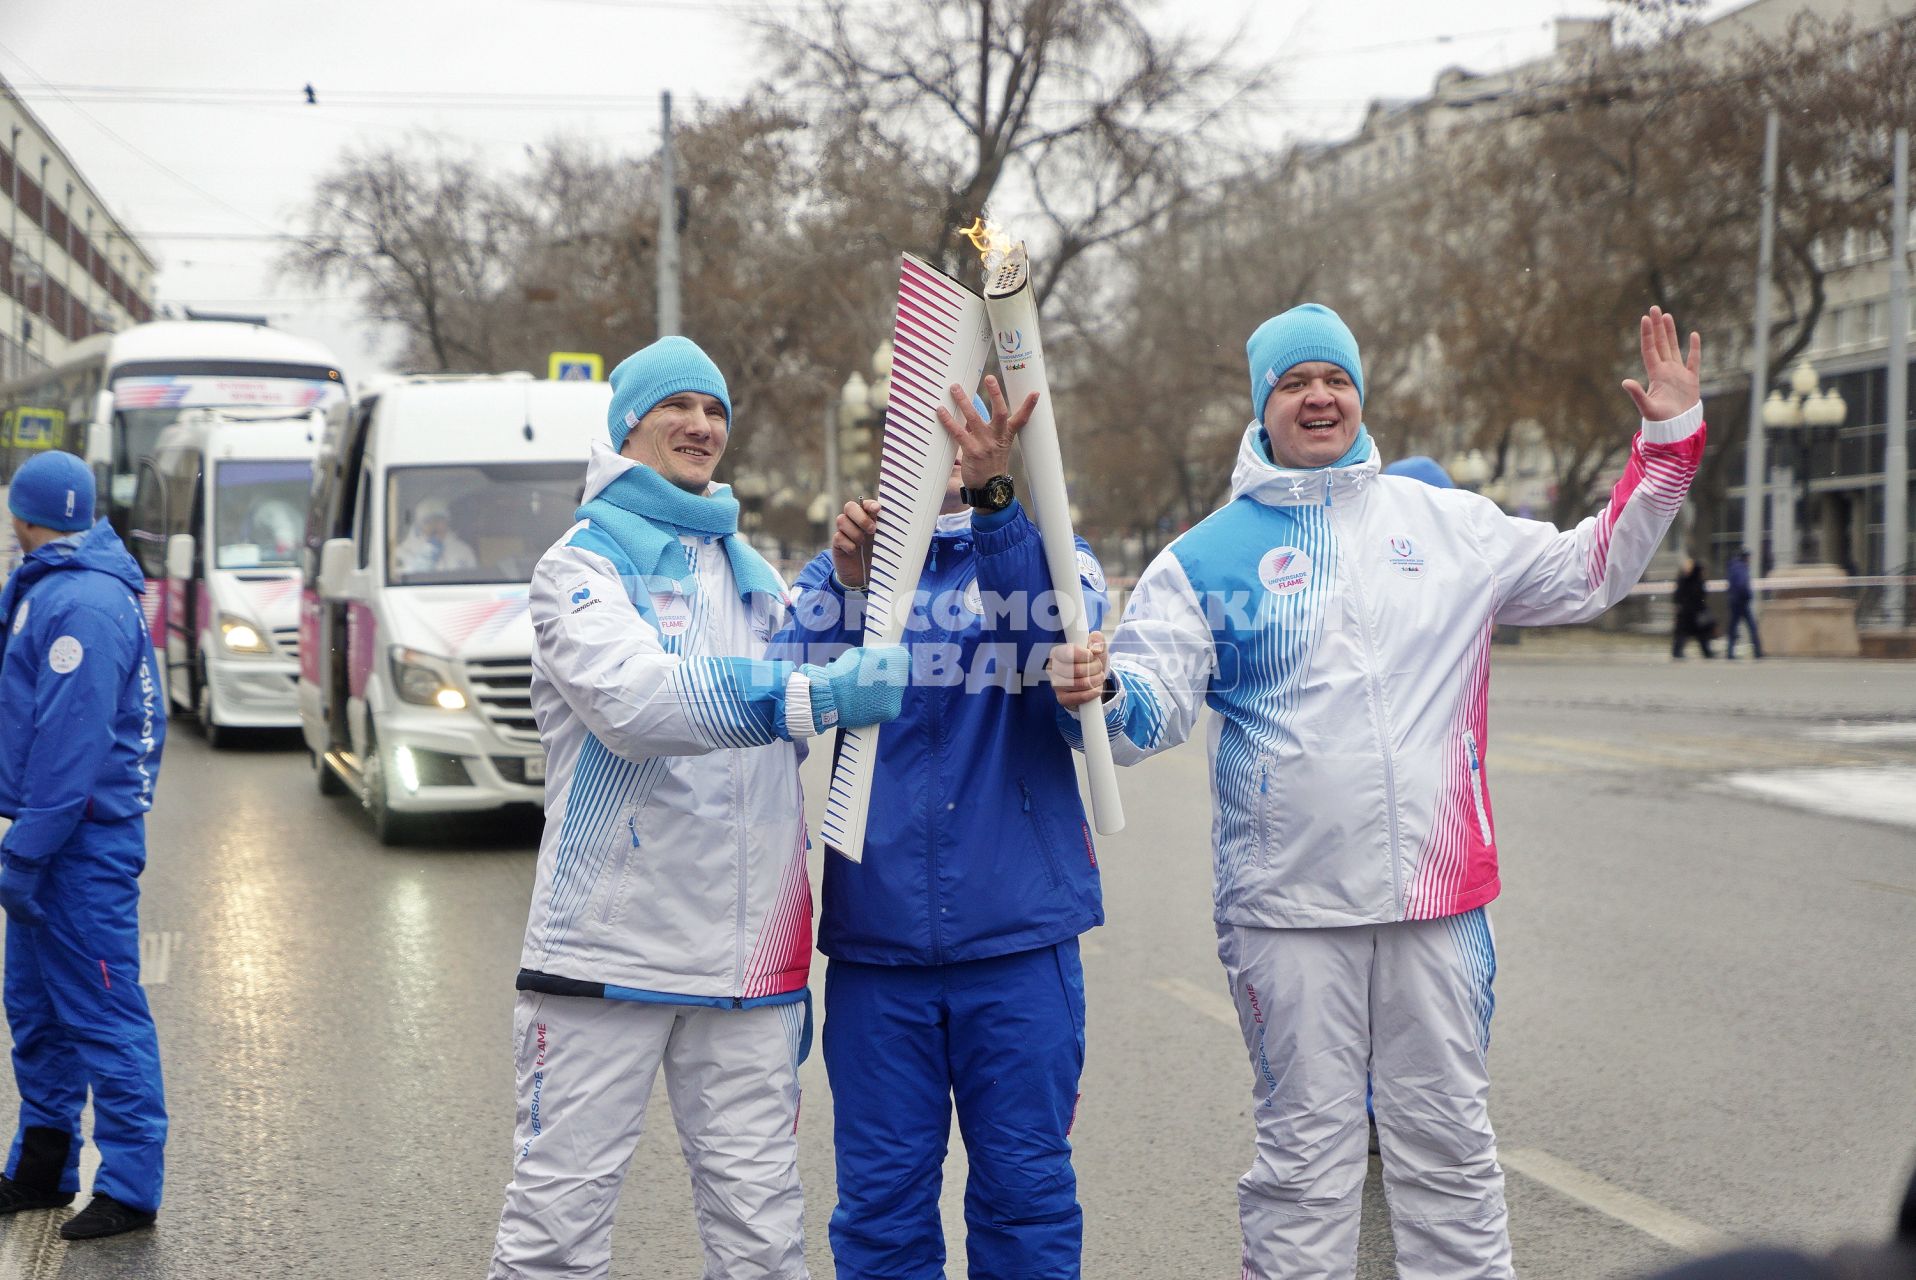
(1337, 622)
(673, 862)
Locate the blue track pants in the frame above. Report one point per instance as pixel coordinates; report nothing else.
(1004, 1039)
(79, 1017)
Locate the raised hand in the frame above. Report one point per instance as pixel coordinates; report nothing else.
(984, 445)
(852, 542)
(1674, 383)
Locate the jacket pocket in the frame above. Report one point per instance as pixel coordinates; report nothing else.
(1264, 813)
(627, 838)
(1477, 786)
(1041, 836)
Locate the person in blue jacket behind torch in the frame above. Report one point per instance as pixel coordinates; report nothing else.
(81, 723)
(954, 972)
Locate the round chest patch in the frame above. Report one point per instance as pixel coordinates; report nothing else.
(1406, 557)
(1284, 571)
(65, 654)
(674, 614)
(974, 602)
(1089, 569)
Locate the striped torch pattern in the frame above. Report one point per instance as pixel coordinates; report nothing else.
(938, 338)
(1014, 321)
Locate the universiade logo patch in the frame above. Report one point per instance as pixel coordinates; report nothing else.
(1404, 557)
(1284, 571)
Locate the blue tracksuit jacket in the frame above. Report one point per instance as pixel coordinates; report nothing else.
(81, 725)
(976, 844)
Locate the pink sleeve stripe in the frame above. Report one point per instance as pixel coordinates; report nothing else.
(1662, 472)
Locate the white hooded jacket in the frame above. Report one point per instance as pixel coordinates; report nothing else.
(1338, 622)
(673, 862)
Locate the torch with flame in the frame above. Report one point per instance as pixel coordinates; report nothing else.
(1014, 322)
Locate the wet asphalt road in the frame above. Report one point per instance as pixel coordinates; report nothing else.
(1705, 1028)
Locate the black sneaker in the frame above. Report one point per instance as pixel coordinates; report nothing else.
(104, 1216)
(17, 1196)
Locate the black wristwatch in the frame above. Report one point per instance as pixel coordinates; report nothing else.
(995, 495)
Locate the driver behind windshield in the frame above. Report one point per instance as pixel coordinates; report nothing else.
(431, 544)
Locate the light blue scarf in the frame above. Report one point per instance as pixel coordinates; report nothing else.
(645, 513)
(1359, 450)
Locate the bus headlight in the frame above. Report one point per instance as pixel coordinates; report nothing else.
(240, 636)
(425, 680)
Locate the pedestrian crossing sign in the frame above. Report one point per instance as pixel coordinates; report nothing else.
(575, 366)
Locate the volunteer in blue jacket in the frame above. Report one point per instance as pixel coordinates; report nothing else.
(81, 722)
(954, 970)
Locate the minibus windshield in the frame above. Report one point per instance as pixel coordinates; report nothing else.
(476, 524)
(259, 510)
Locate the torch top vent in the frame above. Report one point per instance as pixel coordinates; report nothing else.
(1008, 274)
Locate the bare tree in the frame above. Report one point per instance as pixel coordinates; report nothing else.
(1073, 106)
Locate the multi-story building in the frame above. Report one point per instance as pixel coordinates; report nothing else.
(68, 268)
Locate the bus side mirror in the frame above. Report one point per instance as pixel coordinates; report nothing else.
(335, 567)
(179, 556)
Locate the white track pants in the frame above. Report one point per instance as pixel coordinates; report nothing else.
(586, 1068)
(1410, 1004)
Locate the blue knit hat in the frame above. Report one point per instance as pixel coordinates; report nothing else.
(53, 490)
(1307, 332)
(647, 376)
(1419, 467)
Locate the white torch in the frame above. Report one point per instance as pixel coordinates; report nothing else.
(1014, 321)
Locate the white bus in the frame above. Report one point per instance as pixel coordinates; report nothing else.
(113, 393)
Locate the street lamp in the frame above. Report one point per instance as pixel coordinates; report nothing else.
(861, 414)
(1806, 410)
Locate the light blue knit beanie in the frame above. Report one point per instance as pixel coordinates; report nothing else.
(650, 374)
(1304, 333)
(53, 490)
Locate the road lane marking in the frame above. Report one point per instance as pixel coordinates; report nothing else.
(1895, 731)
(1608, 1198)
(1207, 1002)
(156, 956)
(1887, 888)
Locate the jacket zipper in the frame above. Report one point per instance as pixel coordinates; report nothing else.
(1477, 785)
(738, 797)
(934, 908)
(1381, 725)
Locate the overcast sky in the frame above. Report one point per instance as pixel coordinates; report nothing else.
(181, 172)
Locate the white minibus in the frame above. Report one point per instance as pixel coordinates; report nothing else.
(433, 499)
(219, 510)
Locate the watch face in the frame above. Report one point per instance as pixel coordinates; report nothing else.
(994, 495)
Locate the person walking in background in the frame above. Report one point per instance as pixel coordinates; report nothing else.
(81, 726)
(1693, 620)
(1740, 597)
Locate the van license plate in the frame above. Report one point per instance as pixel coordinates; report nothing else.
(535, 768)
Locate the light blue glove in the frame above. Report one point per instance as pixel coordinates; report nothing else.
(862, 686)
(19, 886)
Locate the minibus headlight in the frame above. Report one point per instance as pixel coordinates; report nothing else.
(240, 636)
(425, 680)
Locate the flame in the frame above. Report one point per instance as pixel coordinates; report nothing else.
(993, 242)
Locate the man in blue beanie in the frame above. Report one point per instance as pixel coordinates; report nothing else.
(1355, 851)
(955, 978)
(81, 723)
(671, 924)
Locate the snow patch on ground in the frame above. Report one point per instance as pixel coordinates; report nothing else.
(1876, 793)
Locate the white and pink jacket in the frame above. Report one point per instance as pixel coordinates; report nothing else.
(1338, 623)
